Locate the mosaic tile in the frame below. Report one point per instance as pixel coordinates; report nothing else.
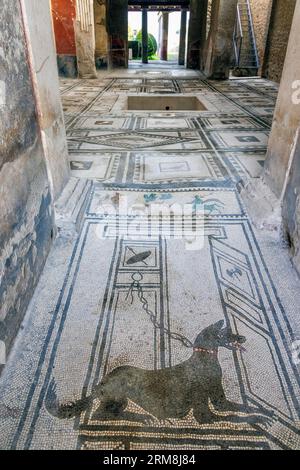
(240, 139)
(148, 336)
(172, 167)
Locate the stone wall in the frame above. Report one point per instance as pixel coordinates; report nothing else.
(63, 14)
(26, 211)
(261, 12)
(279, 30)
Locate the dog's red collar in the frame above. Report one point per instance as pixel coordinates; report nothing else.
(207, 351)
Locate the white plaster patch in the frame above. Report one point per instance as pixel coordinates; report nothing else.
(2, 353)
(2, 93)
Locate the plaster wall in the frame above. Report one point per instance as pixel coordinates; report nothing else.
(196, 33)
(287, 115)
(282, 167)
(261, 12)
(41, 38)
(291, 205)
(117, 28)
(278, 37)
(63, 14)
(26, 210)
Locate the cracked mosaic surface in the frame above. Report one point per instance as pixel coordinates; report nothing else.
(124, 347)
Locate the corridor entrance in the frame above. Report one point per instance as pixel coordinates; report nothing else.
(166, 279)
(149, 228)
(157, 34)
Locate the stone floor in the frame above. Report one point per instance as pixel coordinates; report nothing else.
(168, 321)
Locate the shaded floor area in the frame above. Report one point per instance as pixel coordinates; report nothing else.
(156, 64)
(163, 319)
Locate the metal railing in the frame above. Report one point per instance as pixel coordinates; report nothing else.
(239, 35)
(252, 33)
(238, 38)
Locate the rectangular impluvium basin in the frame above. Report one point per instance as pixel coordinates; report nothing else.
(164, 103)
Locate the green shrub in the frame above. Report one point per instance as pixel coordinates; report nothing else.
(152, 43)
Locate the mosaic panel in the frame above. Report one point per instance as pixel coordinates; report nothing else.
(148, 340)
(122, 349)
(172, 167)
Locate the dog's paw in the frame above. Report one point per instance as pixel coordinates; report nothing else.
(264, 420)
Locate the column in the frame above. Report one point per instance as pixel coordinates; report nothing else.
(84, 27)
(164, 36)
(47, 95)
(182, 38)
(145, 36)
(101, 37)
(219, 47)
(117, 30)
(197, 32)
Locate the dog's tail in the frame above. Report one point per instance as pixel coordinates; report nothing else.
(65, 410)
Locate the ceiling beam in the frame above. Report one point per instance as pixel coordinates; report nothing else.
(162, 3)
(155, 8)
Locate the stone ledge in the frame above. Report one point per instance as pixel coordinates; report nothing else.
(71, 206)
(263, 207)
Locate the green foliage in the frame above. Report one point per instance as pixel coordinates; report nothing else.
(130, 33)
(152, 44)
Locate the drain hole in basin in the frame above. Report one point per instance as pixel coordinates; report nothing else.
(164, 103)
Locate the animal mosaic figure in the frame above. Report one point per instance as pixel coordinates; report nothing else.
(210, 206)
(167, 393)
(213, 206)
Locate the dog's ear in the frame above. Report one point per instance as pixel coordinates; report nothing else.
(218, 326)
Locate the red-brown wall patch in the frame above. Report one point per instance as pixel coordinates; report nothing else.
(63, 13)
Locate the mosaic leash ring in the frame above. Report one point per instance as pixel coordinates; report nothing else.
(137, 277)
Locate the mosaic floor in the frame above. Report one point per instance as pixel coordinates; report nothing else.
(168, 323)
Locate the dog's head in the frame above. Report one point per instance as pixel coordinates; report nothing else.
(216, 336)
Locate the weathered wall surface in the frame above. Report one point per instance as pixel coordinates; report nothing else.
(277, 41)
(117, 29)
(286, 117)
(26, 214)
(261, 13)
(100, 33)
(39, 24)
(63, 14)
(84, 28)
(196, 33)
(218, 53)
(282, 167)
(85, 47)
(291, 206)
